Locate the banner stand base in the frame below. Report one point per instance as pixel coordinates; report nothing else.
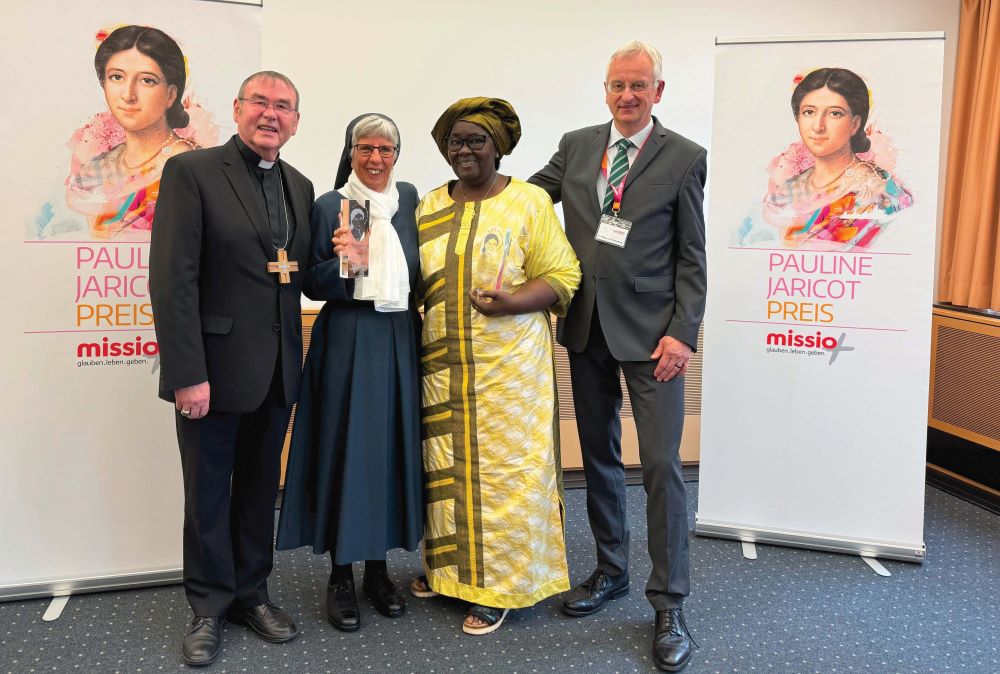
(795, 539)
(64, 587)
(876, 566)
(55, 608)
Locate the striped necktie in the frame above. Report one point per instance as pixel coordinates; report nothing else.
(619, 167)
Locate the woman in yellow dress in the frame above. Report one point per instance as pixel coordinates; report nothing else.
(494, 262)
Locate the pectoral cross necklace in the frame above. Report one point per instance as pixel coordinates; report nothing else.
(283, 267)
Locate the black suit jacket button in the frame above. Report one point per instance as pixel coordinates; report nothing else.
(276, 327)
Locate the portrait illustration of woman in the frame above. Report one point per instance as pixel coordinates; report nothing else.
(835, 189)
(119, 155)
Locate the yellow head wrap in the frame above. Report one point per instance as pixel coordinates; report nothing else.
(493, 114)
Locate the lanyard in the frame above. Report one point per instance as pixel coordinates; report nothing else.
(618, 190)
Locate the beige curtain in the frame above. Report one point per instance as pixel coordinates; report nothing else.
(970, 246)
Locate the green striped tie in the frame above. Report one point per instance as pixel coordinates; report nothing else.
(619, 167)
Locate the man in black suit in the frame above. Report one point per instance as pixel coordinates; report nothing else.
(632, 195)
(231, 223)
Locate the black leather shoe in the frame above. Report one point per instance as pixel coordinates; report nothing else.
(383, 594)
(671, 641)
(203, 642)
(589, 596)
(342, 605)
(267, 620)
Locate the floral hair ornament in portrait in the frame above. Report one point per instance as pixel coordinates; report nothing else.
(834, 188)
(118, 155)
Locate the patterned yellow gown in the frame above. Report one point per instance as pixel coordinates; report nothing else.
(494, 530)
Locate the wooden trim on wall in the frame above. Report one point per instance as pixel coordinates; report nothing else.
(308, 318)
(964, 480)
(971, 316)
(572, 458)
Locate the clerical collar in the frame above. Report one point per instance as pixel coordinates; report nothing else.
(252, 158)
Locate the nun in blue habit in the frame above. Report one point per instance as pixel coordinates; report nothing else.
(353, 484)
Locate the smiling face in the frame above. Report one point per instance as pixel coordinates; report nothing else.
(632, 109)
(472, 167)
(826, 123)
(374, 170)
(260, 124)
(136, 91)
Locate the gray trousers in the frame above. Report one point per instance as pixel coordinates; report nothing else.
(658, 409)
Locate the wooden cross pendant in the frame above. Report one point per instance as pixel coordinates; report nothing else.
(283, 267)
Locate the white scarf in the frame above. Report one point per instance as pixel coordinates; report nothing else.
(388, 281)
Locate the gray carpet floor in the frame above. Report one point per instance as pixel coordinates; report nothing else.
(791, 610)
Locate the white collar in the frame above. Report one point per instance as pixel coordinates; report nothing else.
(637, 139)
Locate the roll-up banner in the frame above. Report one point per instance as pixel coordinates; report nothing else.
(821, 239)
(99, 94)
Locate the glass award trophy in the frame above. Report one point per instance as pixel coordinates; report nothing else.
(354, 261)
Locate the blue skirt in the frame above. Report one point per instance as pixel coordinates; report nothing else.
(354, 481)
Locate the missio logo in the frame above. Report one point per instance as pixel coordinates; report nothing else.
(106, 348)
(792, 338)
(835, 345)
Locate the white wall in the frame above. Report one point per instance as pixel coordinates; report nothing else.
(412, 59)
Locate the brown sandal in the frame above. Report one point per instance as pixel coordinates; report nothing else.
(421, 588)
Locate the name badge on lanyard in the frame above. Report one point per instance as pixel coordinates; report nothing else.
(612, 229)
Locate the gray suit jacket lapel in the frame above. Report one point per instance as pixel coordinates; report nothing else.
(239, 177)
(596, 154)
(649, 150)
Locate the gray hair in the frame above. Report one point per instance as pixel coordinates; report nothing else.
(635, 48)
(379, 127)
(270, 74)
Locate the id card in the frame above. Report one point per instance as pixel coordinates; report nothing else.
(613, 230)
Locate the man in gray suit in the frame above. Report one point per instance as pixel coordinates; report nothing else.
(632, 195)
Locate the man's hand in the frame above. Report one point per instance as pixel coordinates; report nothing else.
(192, 401)
(673, 355)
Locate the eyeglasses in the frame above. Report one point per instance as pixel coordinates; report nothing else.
(474, 142)
(262, 104)
(384, 151)
(617, 87)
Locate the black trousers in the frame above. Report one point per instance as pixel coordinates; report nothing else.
(232, 465)
(658, 410)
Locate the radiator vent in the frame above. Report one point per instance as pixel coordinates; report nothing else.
(692, 385)
(965, 384)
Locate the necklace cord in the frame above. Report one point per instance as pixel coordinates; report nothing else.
(284, 206)
(490, 189)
